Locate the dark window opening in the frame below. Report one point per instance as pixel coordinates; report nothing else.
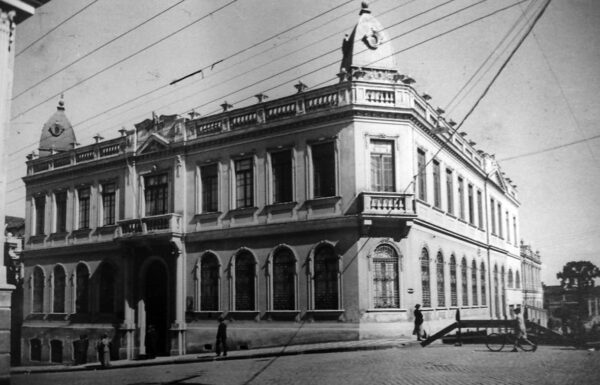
(210, 188)
(281, 166)
(156, 191)
(245, 275)
(323, 161)
(326, 278)
(244, 181)
(284, 272)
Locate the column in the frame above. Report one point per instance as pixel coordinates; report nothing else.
(178, 328)
(127, 329)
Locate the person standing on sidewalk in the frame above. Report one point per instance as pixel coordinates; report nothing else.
(418, 323)
(521, 331)
(103, 347)
(221, 337)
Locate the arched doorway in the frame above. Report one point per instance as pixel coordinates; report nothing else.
(157, 309)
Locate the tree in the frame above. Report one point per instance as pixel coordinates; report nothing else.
(578, 275)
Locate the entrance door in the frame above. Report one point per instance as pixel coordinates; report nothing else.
(157, 310)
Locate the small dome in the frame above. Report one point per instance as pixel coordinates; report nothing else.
(57, 133)
(367, 46)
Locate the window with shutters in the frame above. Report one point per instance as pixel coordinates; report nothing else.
(59, 287)
(326, 271)
(323, 163)
(450, 190)
(425, 279)
(441, 283)
(382, 165)
(209, 283)
(60, 199)
(109, 204)
(38, 290)
(474, 291)
(483, 285)
(281, 171)
(385, 277)
(40, 214)
(284, 279)
(245, 276)
(244, 183)
(156, 193)
(453, 282)
(209, 176)
(82, 295)
(464, 283)
(422, 175)
(84, 207)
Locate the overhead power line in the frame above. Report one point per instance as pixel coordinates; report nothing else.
(54, 28)
(125, 58)
(550, 149)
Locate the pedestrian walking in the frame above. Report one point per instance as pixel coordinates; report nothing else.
(521, 331)
(221, 337)
(103, 346)
(418, 330)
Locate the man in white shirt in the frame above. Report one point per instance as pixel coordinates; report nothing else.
(521, 331)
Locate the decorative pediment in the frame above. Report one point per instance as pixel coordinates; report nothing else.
(497, 178)
(154, 143)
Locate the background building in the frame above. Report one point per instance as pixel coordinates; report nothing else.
(533, 291)
(324, 215)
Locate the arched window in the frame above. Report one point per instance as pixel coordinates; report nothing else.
(245, 275)
(425, 279)
(441, 292)
(453, 282)
(464, 283)
(496, 292)
(510, 278)
(474, 291)
(385, 277)
(483, 285)
(106, 293)
(503, 292)
(517, 279)
(209, 283)
(82, 303)
(59, 286)
(284, 280)
(38, 290)
(326, 270)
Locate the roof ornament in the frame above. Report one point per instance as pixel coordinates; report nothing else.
(300, 86)
(364, 8)
(226, 106)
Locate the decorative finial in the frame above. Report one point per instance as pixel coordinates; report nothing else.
(300, 86)
(364, 8)
(61, 103)
(98, 138)
(226, 106)
(261, 97)
(123, 131)
(440, 110)
(426, 96)
(193, 114)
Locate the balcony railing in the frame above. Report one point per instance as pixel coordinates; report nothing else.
(167, 223)
(387, 204)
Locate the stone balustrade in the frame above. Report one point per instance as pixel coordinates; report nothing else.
(387, 204)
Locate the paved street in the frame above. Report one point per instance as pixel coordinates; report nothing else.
(437, 364)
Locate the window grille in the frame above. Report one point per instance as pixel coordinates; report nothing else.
(244, 182)
(483, 285)
(385, 278)
(210, 188)
(156, 191)
(425, 279)
(464, 283)
(209, 283)
(326, 278)
(453, 282)
(284, 272)
(441, 292)
(245, 273)
(474, 291)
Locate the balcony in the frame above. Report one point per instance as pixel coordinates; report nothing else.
(154, 225)
(386, 205)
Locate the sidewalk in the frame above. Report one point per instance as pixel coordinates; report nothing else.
(326, 347)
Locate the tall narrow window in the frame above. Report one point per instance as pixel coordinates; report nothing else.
(425, 279)
(40, 214)
(441, 282)
(515, 230)
(463, 282)
(483, 285)
(382, 165)
(493, 215)
(474, 291)
(471, 204)
(507, 227)
(109, 203)
(38, 290)
(437, 185)
(209, 283)
(284, 272)
(83, 289)
(244, 183)
(61, 211)
(245, 276)
(510, 278)
(503, 293)
(84, 207)
(496, 292)
(450, 190)
(281, 169)
(209, 176)
(385, 277)
(453, 282)
(422, 175)
(323, 162)
(326, 278)
(59, 286)
(461, 198)
(500, 224)
(517, 280)
(480, 209)
(156, 192)
(106, 292)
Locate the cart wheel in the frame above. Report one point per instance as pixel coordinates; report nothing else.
(495, 342)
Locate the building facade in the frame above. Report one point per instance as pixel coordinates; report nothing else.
(533, 291)
(324, 215)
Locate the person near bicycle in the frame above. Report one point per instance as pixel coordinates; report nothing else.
(521, 331)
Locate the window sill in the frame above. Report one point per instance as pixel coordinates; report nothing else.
(107, 229)
(37, 238)
(473, 226)
(59, 235)
(80, 232)
(282, 315)
(208, 215)
(281, 206)
(451, 215)
(462, 221)
(324, 315)
(243, 210)
(243, 315)
(438, 209)
(386, 310)
(424, 203)
(323, 201)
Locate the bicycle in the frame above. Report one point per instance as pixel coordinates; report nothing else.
(496, 342)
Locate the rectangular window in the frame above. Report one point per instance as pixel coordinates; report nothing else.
(323, 162)
(40, 214)
(480, 208)
(109, 193)
(382, 165)
(281, 169)
(450, 190)
(156, 191)
(500, 224)
(461, 198)
(61, 211)
(515, 230)
(84, 208)
(471, 204)
(209, 176)
(244, 183)
(493, 215)
(421, 175)
(507, 219)
(437, 193)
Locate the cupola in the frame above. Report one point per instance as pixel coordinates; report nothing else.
(57, 133)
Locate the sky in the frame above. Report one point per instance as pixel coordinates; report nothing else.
(114, 59)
